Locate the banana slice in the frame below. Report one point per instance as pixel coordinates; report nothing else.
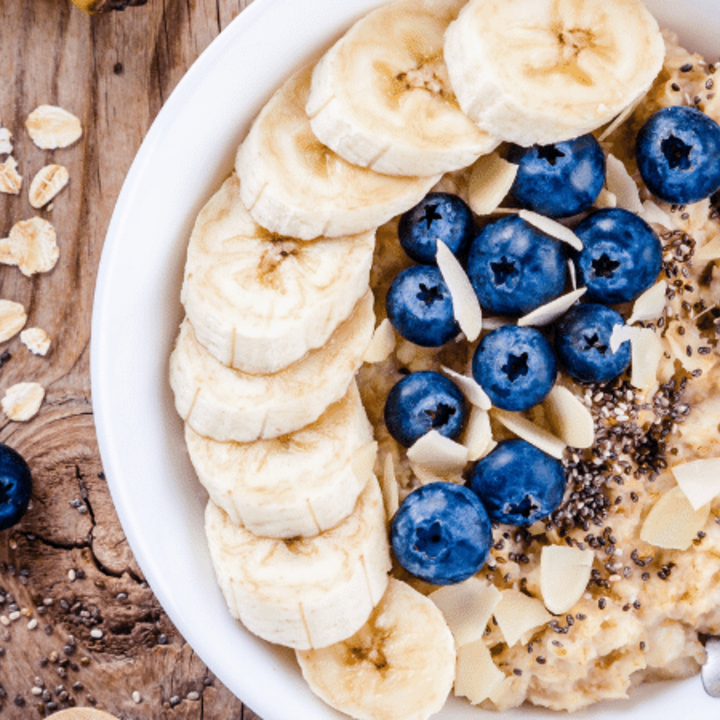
(303, 592)
(399, 666)
(381, 96)
(296, 485)
(258, 303)
(541, 71)
(293, 185)
(225, 404)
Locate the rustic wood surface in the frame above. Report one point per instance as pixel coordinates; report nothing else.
(66, 569)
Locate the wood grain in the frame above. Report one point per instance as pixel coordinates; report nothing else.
(89, 630)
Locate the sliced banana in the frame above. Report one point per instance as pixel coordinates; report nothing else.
(225, 404)
(381, 96)
(296, 485)
(259, 302)
(399, 666)
(303, 592)
(294, 185)
(541, 71)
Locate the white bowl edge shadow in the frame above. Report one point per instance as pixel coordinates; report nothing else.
(183, 159)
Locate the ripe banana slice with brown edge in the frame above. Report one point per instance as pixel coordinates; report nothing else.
(225, 404)
(542, 71)
(304, 592)
(294, 185)
(381, 96)
(259, 302)
(297, 485)
(399, 666)
(97, 6)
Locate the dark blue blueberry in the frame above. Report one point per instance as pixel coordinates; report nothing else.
(558, 180)
(439, 216)
(518, 483)
(425, 401)
(441, 533)
(515, 366)
(677, 152)
(420, 308)
(621, 257)
(15, 486)
(582, 344)
(514, 267)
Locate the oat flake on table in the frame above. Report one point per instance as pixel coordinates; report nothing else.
(12, 319)
(47, 183)
(22, 401)
(10, 179)
(52, 127)
(36, 340)
(31, 245)
(5, 141)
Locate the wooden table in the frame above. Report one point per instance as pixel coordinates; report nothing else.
(87, 629)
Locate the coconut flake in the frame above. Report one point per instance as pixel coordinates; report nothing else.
(493, 323)
(646, 353)
(545, 314)
(478, 438)
(564, 575)
(650, 304)
(517, 614)
(653, 213)
(530, 432)
(471, 389)
(619, 335)
(605, 199)
(620, 183)
(389, 487)
(572, 272)
(490, 181)
(381, 344)
(569, 419)
(466, 306)
(552, 228)
(709, 251)
(699, 480)
(438, 454)
(476, 676)
(672, 522)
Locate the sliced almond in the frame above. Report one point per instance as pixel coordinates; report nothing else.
(650, 305)
(620, 183)
(490, 181)
(572, 272)
(363, 461)
(476, 676)
(654, 214)
(569, 419)
(605, 199)
(466, 306)
(22, 401)
(530, 432)
(5, 141)
(467, 608)
(699, 480)
(673, 523)
(10, 179)
(31, 245)
(36, 340)
(381, 344)
(471, 389)
(12, 319)
(548, 313)
(478, 438)
(517, 614)
(52, 127)
(552, 227)
(389, 487)
(47, 183)
(709, 251)
(564, 575)
(621, 334)
(438, 454)
(646, 352)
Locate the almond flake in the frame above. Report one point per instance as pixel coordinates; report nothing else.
(569, 419)
(709, 251)
(23, 400)
(572, 272)
(381, 344)
(517, 614)
(5, 145)
(363, 461)
(619, 335)
(466, 306)
(545, 314)
(652, 213)
(605, 199)
(649, 305)
(552, 227)
(476, 676)
(36, 340)
(490, 182)
(646, 353)
(493, 323)
(471, 389)
(699, 480)
(12, 319)
(426, 476)
(31, 245)
(620, 183)
(532, 433)
(10, 179)
(47, 183)
(438, 454)
(51, 127)
(467, 608)
(673, 523)
(564, 575)
(478, 438)
(389, 487)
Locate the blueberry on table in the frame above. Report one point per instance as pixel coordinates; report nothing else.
(621, 256)
(518, 483)
(677, 152)
(419, 306)
(561, 179)
(438, 216)
(15, 486)
(441, 533)
(514, 267)
(425, 401)
(515, 366)
(582, 344)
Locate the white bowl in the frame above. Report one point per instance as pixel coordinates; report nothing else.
(186, 153)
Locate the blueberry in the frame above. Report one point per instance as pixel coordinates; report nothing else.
(558, 180)
(441, 533)
(677, 152)
(420, 308)
(15, 486)
(518, 483)
(515, 366)
(514, 267)
(425, 401)
(439, 216)
(621, 257)
(582, 344)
